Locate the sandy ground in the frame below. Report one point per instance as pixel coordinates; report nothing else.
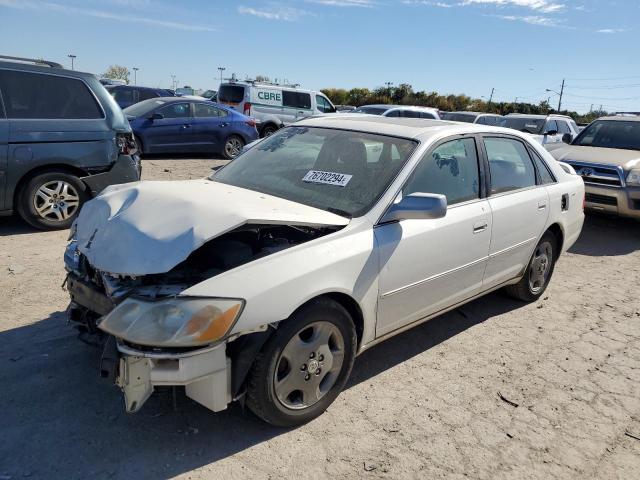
(424, 404)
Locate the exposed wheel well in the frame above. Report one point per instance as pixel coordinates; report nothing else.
(78, 172)
(557, 232)
(353, 308)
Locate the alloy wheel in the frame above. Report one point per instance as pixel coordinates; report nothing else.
(233, 147)
(540, 267)
(56, 201)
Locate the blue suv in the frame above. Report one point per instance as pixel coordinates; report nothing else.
(63, 139)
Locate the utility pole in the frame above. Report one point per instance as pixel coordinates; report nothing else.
(591, 108)
(491, 97)
(135, 75)
(173, 82)
(71, 56)
(561, 93)
(221, 69)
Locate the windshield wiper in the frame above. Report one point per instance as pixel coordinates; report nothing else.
(338, 211)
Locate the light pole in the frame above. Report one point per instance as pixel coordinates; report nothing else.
(71, 56)
(173, 82)
(560, 93)
(221, 69)
(135, 75)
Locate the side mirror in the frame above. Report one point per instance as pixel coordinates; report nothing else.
(552, 132)
(567, 138)
(156, 116)
(417, 206)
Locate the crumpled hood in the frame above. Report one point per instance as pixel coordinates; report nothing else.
(149, 227)
(607, 156)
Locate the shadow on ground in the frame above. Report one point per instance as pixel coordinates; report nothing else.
(54, 403)
(605, 236)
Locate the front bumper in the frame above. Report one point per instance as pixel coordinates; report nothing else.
(127, 168)
(621, 201)
(205, 374)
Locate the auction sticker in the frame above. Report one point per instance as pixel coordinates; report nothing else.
(327, 178)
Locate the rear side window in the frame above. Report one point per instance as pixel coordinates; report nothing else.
(543, 171)
(563, 127)
(145, 94)
(296, 99)
(451, 170)
(427, 115)
(231, 93)
(123, 95)
(510, 165)
(207, 111)
(41, 96)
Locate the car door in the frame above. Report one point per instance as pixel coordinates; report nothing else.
(210, 126)
(4, 147)
(551, 134)
(429, 265)
(520, 208)
(171, 132)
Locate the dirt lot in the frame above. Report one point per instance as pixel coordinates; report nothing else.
(424, 404)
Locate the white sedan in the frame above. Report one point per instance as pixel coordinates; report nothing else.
(264, 281)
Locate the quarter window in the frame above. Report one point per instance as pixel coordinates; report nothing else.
(31, 95)
(427, 115)
(451, 170)
(175, 110)
(207, 111)
(296, 99)
(543, 171)
(510, 165)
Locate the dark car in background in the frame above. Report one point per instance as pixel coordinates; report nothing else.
(127, 95)
(63, 139)
(473, 117)
(185, 125)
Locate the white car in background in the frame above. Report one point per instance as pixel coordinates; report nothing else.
(265, 280)
(545, 129)
(402, 111)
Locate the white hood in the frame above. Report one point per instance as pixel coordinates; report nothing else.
(150, 227)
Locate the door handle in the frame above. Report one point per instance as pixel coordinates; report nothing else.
(480, 227)
(224, 124)
(542, 205)
(186, 125)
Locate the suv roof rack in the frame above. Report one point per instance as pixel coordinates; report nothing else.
(37, 61)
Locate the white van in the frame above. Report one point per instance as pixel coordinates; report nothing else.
(272, 105)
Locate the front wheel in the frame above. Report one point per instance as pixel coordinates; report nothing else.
(232, 147)
(538, 274)
(304, 365)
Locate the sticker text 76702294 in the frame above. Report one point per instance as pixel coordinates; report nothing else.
(327, 178)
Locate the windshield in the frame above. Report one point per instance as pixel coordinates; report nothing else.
(460, 117)
(142, 108)
(611, 134)
(339, 171)
(524, 124)
(371, 110)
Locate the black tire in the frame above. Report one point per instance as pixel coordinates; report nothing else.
(268, 130)
(30, 199)
(262, 396)
(528, 290)
(232, 147)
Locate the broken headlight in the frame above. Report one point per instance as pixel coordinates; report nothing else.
(175, 322)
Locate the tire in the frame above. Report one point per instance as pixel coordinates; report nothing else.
(268, 130)
(139, 145)
(295, 356)
(539, 271)
(51, 200)
(232, 147)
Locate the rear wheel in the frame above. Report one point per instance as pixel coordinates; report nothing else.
(269, 130)
(232, 147)
(51, 200)
(304, 365)
(538, 274)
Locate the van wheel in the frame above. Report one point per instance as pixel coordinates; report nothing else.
(232, 147)
(304, 365)
(51, 200)
(538, 274)
(269, 130)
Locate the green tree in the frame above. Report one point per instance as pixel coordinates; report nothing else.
(117, 72)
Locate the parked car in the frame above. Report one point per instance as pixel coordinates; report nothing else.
(405, 111)
(211, 95)
(607, 156)
(345, 108)
(272, 105)
(62, 140)
(266, 280)
(546, 129)
(127, 95)
(180, 125)
(473, 117)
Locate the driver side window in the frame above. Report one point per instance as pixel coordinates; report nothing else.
(451, 170)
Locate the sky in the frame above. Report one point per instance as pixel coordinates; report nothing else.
(520, 48)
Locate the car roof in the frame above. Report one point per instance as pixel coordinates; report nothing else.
(622, 118)
(416, 128)
(39, 68)
(393, 107)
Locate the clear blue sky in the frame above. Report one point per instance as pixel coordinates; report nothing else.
(520, 47)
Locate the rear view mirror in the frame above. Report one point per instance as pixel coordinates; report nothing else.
(552, 132)
(567, 138)
(155, 116)
(417, 206)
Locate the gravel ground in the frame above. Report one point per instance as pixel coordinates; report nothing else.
(495, 389)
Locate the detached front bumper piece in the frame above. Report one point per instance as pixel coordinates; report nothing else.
(205, 374)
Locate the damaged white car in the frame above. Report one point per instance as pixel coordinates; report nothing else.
(263, 282)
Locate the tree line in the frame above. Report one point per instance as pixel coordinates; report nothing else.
(404, 94)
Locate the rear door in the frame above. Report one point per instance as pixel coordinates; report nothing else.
(297, 105)
(520, 208)
(210, 126)
(173, 132)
